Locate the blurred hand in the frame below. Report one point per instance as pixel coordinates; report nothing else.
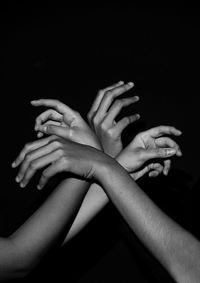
(103, 113)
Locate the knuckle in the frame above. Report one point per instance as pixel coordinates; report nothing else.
(100, 92)
(27, 158)
(60, 152)
(103, 126)
(95, 121)
(110, 132)
(64, 162)
(56, 144)
(89, 116)
(27, 146)
(33, 165)
(126, 120)
(108, 94)
(118, 103)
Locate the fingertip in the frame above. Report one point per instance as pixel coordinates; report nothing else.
(33, 101)
(171, 151)
(131, 84)
(179, 153)
(120, 83)
(165, 172)
(39, 187)
(13, 165)
(39, 135)
(138, 116)
(178, 132)
(22, 185)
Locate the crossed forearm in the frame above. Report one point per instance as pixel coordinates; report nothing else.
(46, 227)
(174, 247)
(94, 201)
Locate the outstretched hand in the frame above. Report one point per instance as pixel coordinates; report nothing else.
(58, 155)
(147, 145)
(103, 113)
(65, 122)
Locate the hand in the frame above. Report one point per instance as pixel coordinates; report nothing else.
(103, 113)
(60, 156)
(66, 122)
(148, 145)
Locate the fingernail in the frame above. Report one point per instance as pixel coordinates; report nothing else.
(137, 97)
(130, 83)
(39, 187)
(171, 151)
(22, 185)
(165, 172)
(17, 179)
(179, 153)
(13, 164)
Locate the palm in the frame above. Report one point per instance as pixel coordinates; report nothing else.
(143, 140)
(66, 121)
(81, 133)
(147, 145)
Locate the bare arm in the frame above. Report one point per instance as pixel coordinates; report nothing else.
(102, 120)
(48, 226)
(174, 247)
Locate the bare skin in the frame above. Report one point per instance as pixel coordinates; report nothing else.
(96, 199)
(176, 249)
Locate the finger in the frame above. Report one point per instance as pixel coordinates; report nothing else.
(157, 153)
(116, 108)
(146, 169)
(167, 166)
(154, 173)
(155, 169)
(29, 147)
(109, 96)
(50, 122)
(40, 134)
(49, 114)
(38, 164)
(35, 154)
(99, 97)
(58, 106)
(124, 122)
(163, 130)
(139, 174)
(57, 131)
(52, 170)
(168, 142)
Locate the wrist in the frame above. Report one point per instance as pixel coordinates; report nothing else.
(106, 169)
(103, 167)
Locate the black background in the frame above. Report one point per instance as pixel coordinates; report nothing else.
(68, 52)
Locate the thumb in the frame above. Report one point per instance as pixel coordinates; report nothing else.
(158, 153)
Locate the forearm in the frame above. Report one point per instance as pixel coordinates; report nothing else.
(174, 247)
(48, 225)
(94, 201)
